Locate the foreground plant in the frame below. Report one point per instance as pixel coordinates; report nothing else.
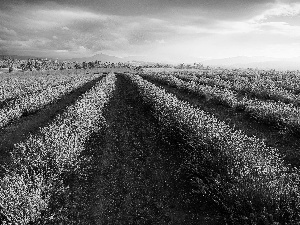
(38, 165)
(35, 100)
(247, 180)
(275, 113)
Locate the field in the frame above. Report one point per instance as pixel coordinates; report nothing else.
(116, 146)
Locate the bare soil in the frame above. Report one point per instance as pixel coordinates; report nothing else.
(133, 172)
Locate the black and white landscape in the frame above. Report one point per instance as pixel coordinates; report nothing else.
(150, 112)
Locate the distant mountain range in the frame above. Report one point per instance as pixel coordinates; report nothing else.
(18, 57)
(256, 62)
(100, 57)
(234, 62)
(114, 59)
(147, 59)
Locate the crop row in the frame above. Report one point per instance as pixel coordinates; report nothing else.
(17, 85)
(38, 163)
(240, 173)
(271, 112)
(274, 113)
(213, 93)
(256, 87)
(33, 101)
(288, 80)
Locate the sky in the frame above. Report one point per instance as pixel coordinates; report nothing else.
(157, 29)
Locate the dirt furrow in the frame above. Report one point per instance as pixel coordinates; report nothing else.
(133, 173)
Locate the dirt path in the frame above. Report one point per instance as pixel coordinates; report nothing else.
(287, 143)
(133, 177)
(20, 129)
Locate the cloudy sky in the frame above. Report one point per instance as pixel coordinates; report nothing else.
(161, 29)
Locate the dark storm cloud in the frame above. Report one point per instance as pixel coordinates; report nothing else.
(54, 27)
(129, 26)
(219, 8)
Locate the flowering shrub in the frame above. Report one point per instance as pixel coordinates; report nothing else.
(212, 93)
(38, 163)
(276, 113)
(35, 100)
(277, 87)
(14, 86)
(247, 179)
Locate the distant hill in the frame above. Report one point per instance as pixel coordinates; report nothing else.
(137, 58)
(19, 57)
(234, 62)
(99, 57)
(113, 59)
(174, 59)
(278, 65)
(256, 62)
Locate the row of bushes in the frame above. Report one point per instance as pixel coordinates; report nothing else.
(271, 112)
(262, 88)
(35, 100)
(246, 179)
(38, 165)
(213, 93)
(13, 86)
